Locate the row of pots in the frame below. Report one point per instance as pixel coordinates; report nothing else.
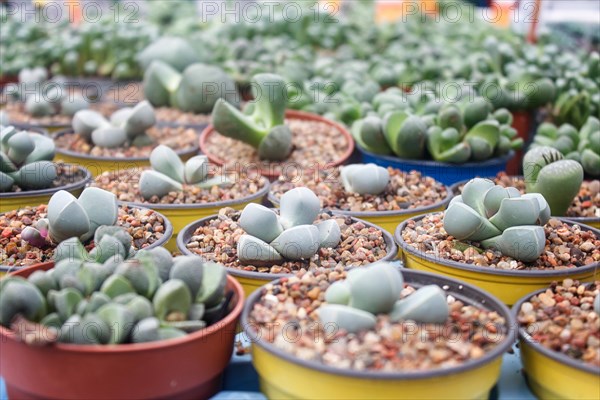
(446, 173)
(191, 367)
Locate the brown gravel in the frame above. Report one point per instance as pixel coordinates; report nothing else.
(359, 245)
(178, 138)
(125, 185)
(404, 192)
(145, 226)
(173, 115)
(567, 246)
(586, 203)
(289, 309)
(67, 174)
(315, 145)
(562, 319)
(17, 114)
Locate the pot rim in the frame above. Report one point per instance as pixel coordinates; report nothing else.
(387, 213)
(31, 127)
(391, 247)
(221, 203)
(493, 271)
(141, 347)
(437, 164)
(289, 114)
(168, 233)
(59, 151)
(488, 301)
(41, 192)
(554, 355)
(454, 188)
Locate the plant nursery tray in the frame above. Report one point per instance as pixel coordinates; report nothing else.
(240, 380)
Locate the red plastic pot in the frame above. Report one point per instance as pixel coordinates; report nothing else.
(522, 123)
(269, 170)
(187, 368)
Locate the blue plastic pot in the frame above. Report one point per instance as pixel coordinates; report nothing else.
(446, 173)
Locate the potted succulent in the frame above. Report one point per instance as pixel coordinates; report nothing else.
(123, 142)
(382, 196)
(501, 241)
(558, 339)
(258, 245)
(36, 102)
(30, 235)
(27, 175)
(376, 333)
(176, 316)
(559, 180)
(187, 97)
(267, 137)
(581, 145)
(182, 191)
(449, 145)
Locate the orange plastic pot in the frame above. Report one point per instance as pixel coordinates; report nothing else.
(268, 169)
(184, 368)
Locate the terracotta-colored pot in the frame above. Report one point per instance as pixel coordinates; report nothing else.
(522, 122)
(187, 368)
(269, 172)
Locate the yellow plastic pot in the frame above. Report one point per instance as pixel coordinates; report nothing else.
(98, 165)
(251, 280)
(180, 215)
(594, 222)
(4, 269)
(388, 220)
(14, 200)
(507, 285)
(283, 376)
(553, 375)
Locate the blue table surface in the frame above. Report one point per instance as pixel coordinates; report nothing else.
(241, 380)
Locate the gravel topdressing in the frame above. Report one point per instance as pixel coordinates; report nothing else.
(145, 226)
(125, 185)
(178, 138)
(167, 114)
(585, 204)
(359, 245)
(315, 144)
(289, 308)
(17, 114)
(563, 319)
(567, 246)
(405, 191)
(66, 175)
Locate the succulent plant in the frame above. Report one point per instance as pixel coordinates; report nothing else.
(364, 178)
(263, 124)
(272, 238)
(196, 89)
(499, 217)
(582, 146)
(169, 173)
(44, 97)
(353, 303)
(118, 302)
(174, 51)
(71, 217)
(557, 179)
(448, 133)
(25, 160)
(127, 126)
(597, 304)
